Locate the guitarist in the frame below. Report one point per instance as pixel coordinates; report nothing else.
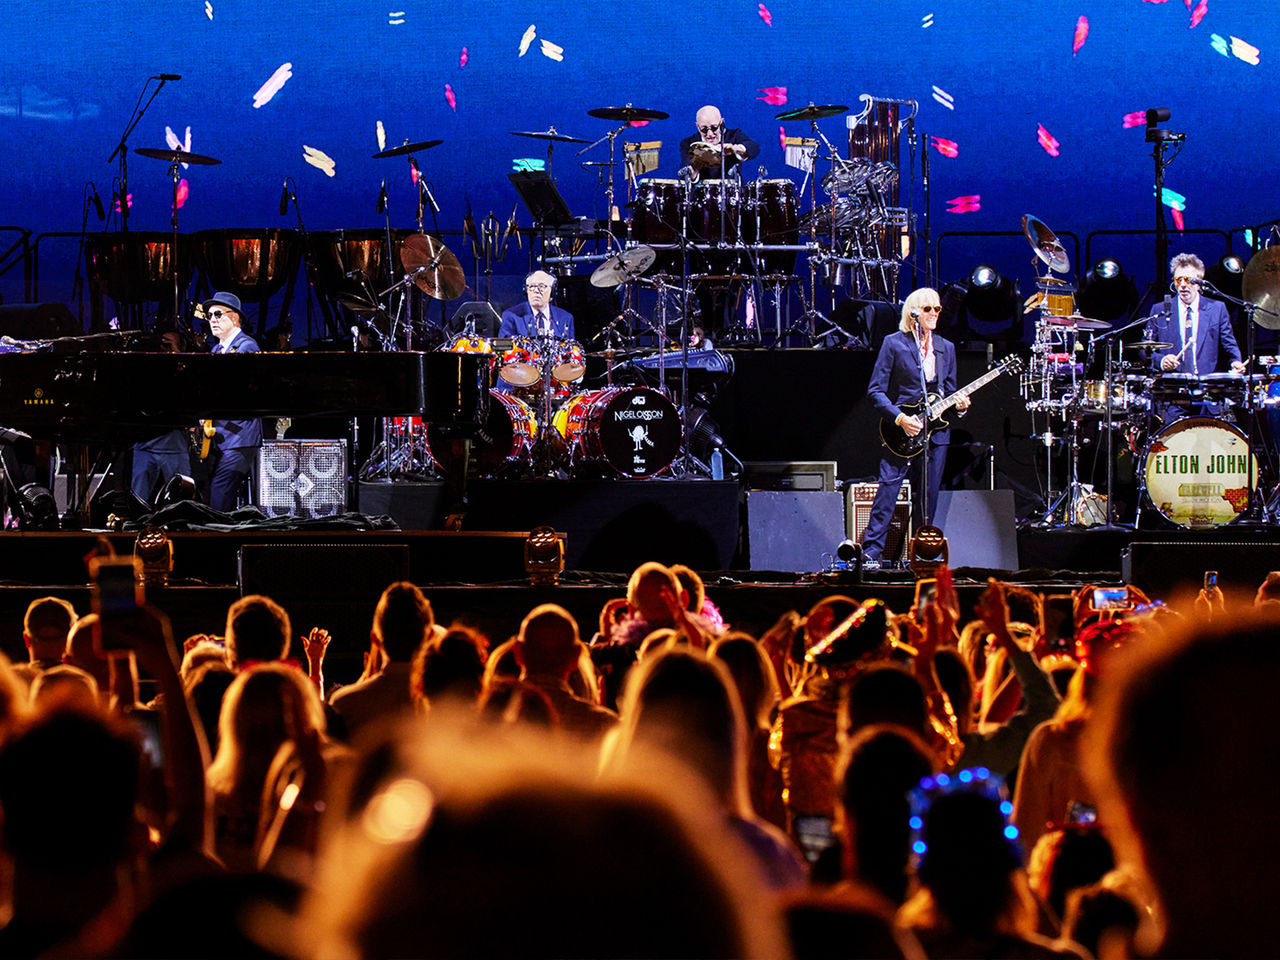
(895, 383)
(235, 442)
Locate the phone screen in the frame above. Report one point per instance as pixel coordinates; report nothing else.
(926, 593)
(116, 591)
(1111, 598)
(1210, 579)
(1058, 619)
(1081, 813)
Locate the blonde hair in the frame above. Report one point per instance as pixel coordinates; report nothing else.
(915, 300)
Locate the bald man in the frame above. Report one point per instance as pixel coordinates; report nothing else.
(537, 317)
(700, 162)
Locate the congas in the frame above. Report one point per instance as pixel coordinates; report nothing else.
(502, 444)
(629, 431)
(1196, 472)
(705, 203)
(777, 221)
(659, 218)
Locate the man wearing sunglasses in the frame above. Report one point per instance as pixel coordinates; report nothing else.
(704, 161)
(913, 356)
(235, 442)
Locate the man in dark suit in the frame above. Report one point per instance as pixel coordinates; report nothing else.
(235, 442)
(1199, 329)
(704, 161)
(537, 317)
(908, 358)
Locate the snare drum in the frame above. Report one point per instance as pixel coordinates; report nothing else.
(502, 444)
(631, 431)
(521, 363)
(1196, 472)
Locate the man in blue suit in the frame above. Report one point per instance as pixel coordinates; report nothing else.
(537, 317)
(1199, 329)
(235, 442)
(908, 358)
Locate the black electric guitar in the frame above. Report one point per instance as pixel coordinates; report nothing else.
(905, 445)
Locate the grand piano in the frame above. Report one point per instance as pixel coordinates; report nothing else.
(116, 396)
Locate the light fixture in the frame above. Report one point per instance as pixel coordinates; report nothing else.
(1227, 275)
(544, 556)
(928, 551)
(1106, 292)
(38, 509)
(993, 304)
(154, 550)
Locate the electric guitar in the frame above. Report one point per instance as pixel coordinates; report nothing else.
(904, 445)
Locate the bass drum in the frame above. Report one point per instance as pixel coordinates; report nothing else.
(630, 431)
(1196, 472)
(501, 445)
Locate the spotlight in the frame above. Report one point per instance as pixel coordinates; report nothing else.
(928, 551)
(154, 550)
(37, 507)
(848, 550)
(544, 556)
(992, 299)
(1106, 292)
(1227, 275)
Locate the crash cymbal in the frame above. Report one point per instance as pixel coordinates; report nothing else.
(1086, 324)
(406, 147)
(436, 271)
(176, 156)
(1261, 285)
(1046, 246)
(1148, 345)
(548, 134)
(627, 114)
(624, 266)
(812, 112)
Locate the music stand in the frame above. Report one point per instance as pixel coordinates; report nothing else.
(540, 195)
(480, 314)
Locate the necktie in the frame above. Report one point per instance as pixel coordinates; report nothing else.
(540, 323)
(1189, 336)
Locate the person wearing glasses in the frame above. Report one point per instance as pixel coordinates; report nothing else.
(1199, 331)
(235, 442)
(704, 161)
(908, 358)
(537, 316)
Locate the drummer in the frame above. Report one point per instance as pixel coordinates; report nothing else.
(537, 316)
(699, 162)
(1198, 329)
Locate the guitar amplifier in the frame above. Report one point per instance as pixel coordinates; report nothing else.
(858, 514)
(302, 478)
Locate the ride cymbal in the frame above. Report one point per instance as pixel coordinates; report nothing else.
(627, 114)
(812, 112)
(436, 271)
(548, 134)
(406, 147)
(176, 156)
(1261, 286)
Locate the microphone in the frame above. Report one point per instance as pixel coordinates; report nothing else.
(97, 202)
(1197, 281)
(284, 198)
(169, 76)
(915, 314)
(356, 274)
(382, 199)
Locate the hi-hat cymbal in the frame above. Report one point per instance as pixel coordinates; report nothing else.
(1148, 345)
(436, 270)
(615, 353)
(627, 114)
(176, 156)
(623, 266)
(1046, 246)
(1261, 285)
(1087, 324)
(548, 134)
(406, 147)
(812, 112)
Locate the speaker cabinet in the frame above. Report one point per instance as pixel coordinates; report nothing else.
(980, 527)
(302, 478)
(792, 531)
(858, 515)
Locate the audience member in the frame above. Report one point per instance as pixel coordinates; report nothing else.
(258, 631)
(547, 649)
(453, 668)
(45, 629)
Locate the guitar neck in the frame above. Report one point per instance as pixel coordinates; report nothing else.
(942, 406)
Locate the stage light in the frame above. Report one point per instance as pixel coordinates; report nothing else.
(928, 551)
(37, 508)
(1227, 275)
(154, 550)
(544, 556)
(993, 304)
(1106, 292)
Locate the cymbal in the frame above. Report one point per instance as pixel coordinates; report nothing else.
(404, 148)
(548, 134)
(1046, 246)
(1261, 285)
(601, 163)
(176, 156)
(436, 270)
(1148, 345)
(624, 266)
(812, 112)
(627, 113)
(613, 353)
(1087, 324)
(358, 304)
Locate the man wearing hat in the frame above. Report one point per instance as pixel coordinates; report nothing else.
(235, 442)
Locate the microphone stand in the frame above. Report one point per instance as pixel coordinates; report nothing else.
(924, 403)
(123, 149)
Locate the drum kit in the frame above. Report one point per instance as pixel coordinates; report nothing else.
(1196, 438)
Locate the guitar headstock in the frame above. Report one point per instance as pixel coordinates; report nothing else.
(1012, 364)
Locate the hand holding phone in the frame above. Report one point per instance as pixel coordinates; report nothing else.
(116, 594)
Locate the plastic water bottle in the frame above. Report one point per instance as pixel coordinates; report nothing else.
(717, 464)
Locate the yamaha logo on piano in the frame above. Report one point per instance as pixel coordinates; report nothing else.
(38, 400)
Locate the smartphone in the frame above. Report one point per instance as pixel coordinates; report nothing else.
(1058, 620)
(117, 590)
(1111, 599)
(926, 593)
(1081, 813)
(1210, 579)
(147, 723)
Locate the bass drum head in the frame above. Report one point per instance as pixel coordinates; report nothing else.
(635, 431)
(1196, 472)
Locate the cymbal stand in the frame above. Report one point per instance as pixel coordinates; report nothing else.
(610, 136)
(122, 148)
(425, 196)
(175, 174)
